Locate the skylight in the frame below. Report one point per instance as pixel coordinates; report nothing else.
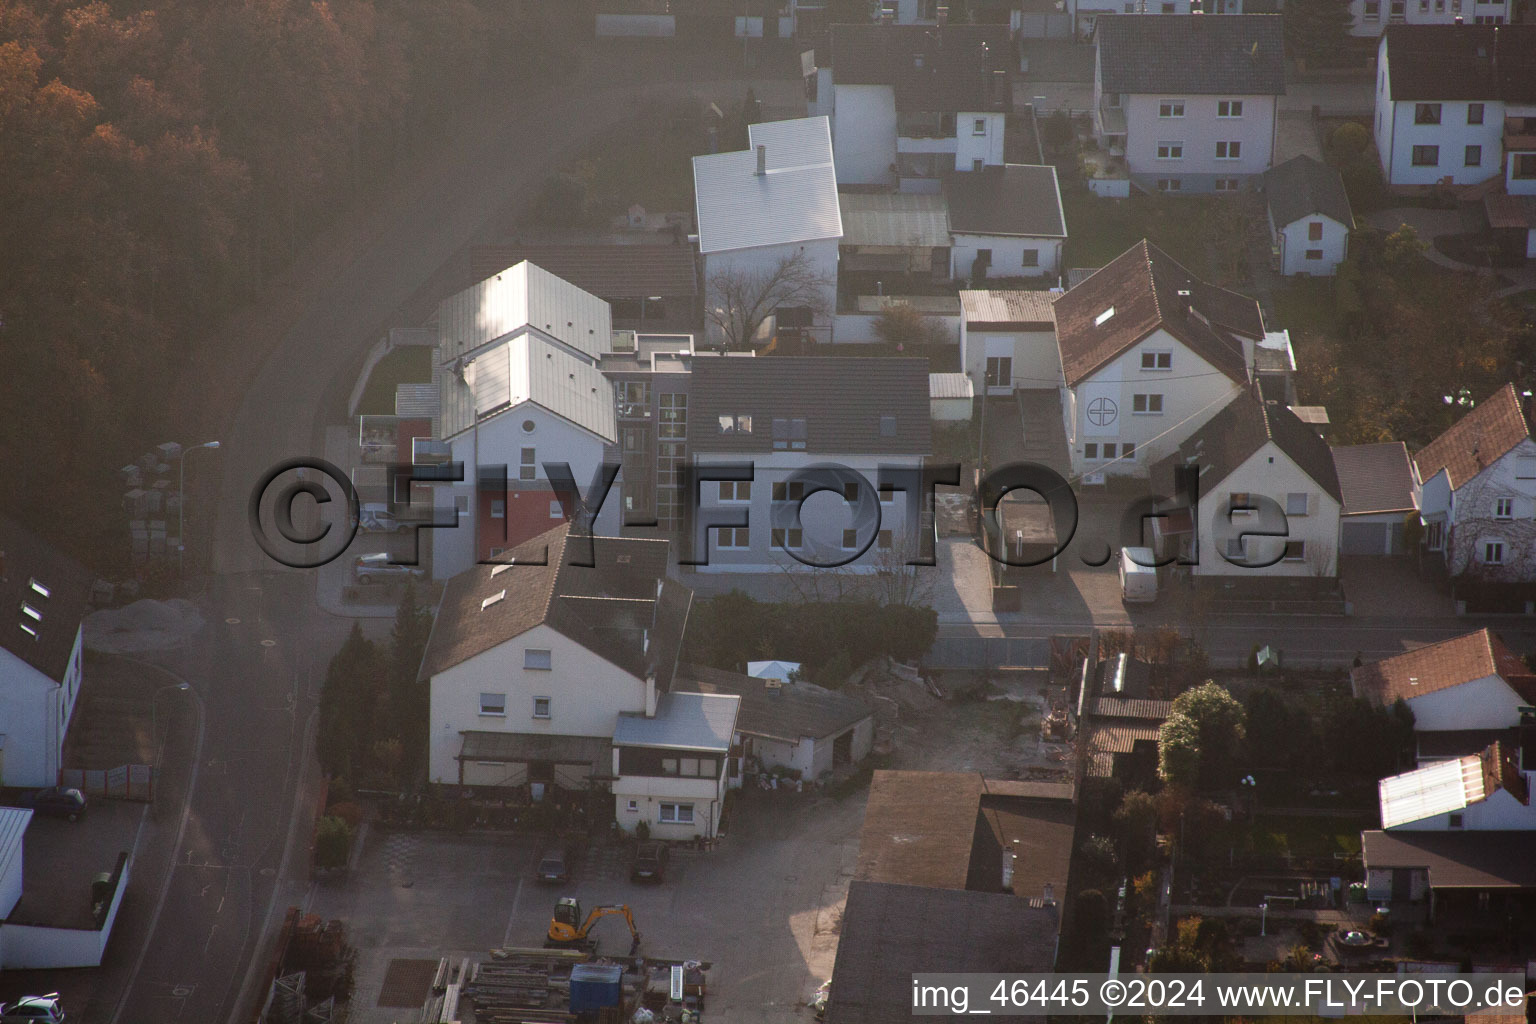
(41, 590)
(499, 569)
(31, 612)
(492, 599)
(25, 628)
(1103, 318)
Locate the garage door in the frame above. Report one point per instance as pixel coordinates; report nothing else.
(1364, 538)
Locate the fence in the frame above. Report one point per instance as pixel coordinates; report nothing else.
(125, 782)
(987, 652)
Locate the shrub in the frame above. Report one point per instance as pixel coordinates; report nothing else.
(333, 842)
(1349, 139)
(348, 812)
(643, 831)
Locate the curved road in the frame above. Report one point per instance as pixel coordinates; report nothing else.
(259, 666)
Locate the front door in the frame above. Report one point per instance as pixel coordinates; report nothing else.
(999, 375)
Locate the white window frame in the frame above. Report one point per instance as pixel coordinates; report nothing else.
(633, 807)
(1162, 359)
(1170, 108)
(493, 705)
(1147, 400)
(1170, 150)
(538, 659)
(789, 538)
(1493, 552)
(677, 815)
(734, 533)
(1301, 551)
(735, 492)
(1229, 108)
(978, 126)
(1170, 184)
(1229, 149)
(498, 508)
(1294, 498)
(549, 708)
(528, 464)
(1503, 508)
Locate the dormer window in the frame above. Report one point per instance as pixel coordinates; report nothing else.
(738, 424)
(1103, 318)
(789, 433)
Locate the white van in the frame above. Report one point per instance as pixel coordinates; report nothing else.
(1138, 582)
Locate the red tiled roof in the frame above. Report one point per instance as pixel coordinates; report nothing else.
(1485, 434)
(1441, 666)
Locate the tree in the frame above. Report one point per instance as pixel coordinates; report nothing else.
(1136, 828)
(740, 298)
(1317, 31)
(349, 704)
(1178, 750)
(903, 324)
(333, 842)
(1219, 722)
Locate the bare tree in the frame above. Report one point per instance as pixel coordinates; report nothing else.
(739, 299)
(881, 575)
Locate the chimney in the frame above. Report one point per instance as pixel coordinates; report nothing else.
(762, 160)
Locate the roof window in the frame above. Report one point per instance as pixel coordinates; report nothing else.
(1103, 318)
(499, 595)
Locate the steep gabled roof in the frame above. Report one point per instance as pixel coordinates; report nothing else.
(1236, 433)
(1462, 62)
(45, 594)
(1375, 478)
(1235, 54)
(1440, 666)
(956, 68)
(1304, 187)
(1477, 440)
(608, 607)
(521, 296)
(1140, 291)
(795, 200)
(526, 368)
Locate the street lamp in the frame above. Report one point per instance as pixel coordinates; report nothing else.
(181, 506)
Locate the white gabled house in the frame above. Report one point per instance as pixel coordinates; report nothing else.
(1478, 482)
(1256, 447)
(1188, 101)
(670, 768)
(1309, 217)
(772, 203)
(46, 596)
(1008, 340)
(1468, 684)
(1456, 106)
(1005, 221)
(1369, 18)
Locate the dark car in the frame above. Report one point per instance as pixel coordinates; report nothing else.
(650, 863)
(555, 866)
(56, 802)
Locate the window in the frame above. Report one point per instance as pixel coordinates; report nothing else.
(735, 490)
(1472, 156)
(1170, 108)
(498, 508)
(527, 464)
(669, 766)
(535, 658)
(979, 126)
(735, 424)
(1434, 535)
(785, 538)
(789, 433)
(633, 397)
(983, 256)
(1398, 10)
(634, 806)
(1170, 150)
(1295, 550)
(793, 491)
(1226, 184)
(1372, 10)
(1504, 508)
(541, 706)
(1426, 156)
(735, 538)
(999, 371)
(688, 766)
(883, 540)
(1474, 113)
(1030, 258)
(1229, 150)
(676, 814)
(1127, 450)
(674, 416)
(1296, 503)
(887, 426)
(556, 510)
(1147, 403)
(1091, 450)
(1315, 231)
(1314, 254)
(529, 426)
(493, 704)
(850, 539)
(1426, 113)
(1493, 552)
(1522, 166)
(1157, 360)
(1168, 8)
(1169, 185)
(1108, 450)
(1229, 108)
(851, 492)
(1455, 820)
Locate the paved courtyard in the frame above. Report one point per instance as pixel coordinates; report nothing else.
(762, 906)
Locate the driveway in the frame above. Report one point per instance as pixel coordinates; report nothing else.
(1296, 135)
(762, 906)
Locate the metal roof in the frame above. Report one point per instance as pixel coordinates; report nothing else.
(894, 219)
(794, 201)
(528, 369)
(950, 385)
(525, 295)
(13, 830)
(1435, 789)
(1012, 308)
(683, 721)
(418, 401)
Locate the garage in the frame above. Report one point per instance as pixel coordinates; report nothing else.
(1379, 493)
(1366, 537)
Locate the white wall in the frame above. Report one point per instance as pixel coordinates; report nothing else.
(863, 740)
(1193, 391)
(587, 693)
(1035, 354)
(1397, 135)
(1270, 472)
(799, 757)
(1486, 703)
(1500, 812)
(649, 792)
(1199, 130)
(986, 146)
(864, 134)
(762, 260)
(636, 25)
(1417, 12)
(1007, 255)
(1295, 244)
(33, 717)
(1473, 515)
(859, 328)
(35, 947)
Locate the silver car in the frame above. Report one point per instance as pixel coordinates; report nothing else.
(33, 1010)
(377, 566)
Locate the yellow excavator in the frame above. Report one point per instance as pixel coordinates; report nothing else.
(568, 929)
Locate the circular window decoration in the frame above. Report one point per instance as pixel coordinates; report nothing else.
(528, 426)
(1102, 412)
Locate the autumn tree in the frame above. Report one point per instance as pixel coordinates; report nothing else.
(903, 324)
(740, 298)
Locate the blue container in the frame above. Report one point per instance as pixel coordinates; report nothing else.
(595, 986)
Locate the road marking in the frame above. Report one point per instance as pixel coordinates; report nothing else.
(506, 936)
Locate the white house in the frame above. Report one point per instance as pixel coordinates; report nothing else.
(796, 726)
(1189, 101)
(1256, 447)
(763, 208)
(1379, 493)
(1006, 222)
(909, 102)
(1456, 105)
(670, 766)
(1008, 340)
(1309, 217)
(1470, 682)
(46, 595)
(783, 416)
(519, 389)
(1368, 18)
(1149, 353)
(1478, 484)
(1482, 792)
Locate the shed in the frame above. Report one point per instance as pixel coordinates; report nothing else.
(1309, 216)
(950, 397)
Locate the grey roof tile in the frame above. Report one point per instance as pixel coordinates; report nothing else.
(1195, 54)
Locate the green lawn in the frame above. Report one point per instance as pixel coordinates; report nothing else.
(1308, 837)
(1205, 233)
(407, 364)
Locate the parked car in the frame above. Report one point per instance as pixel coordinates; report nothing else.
(377, 566)
(375, 517)
(33, 1010)
(56, 802)
(555, 865)
(650, 863)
